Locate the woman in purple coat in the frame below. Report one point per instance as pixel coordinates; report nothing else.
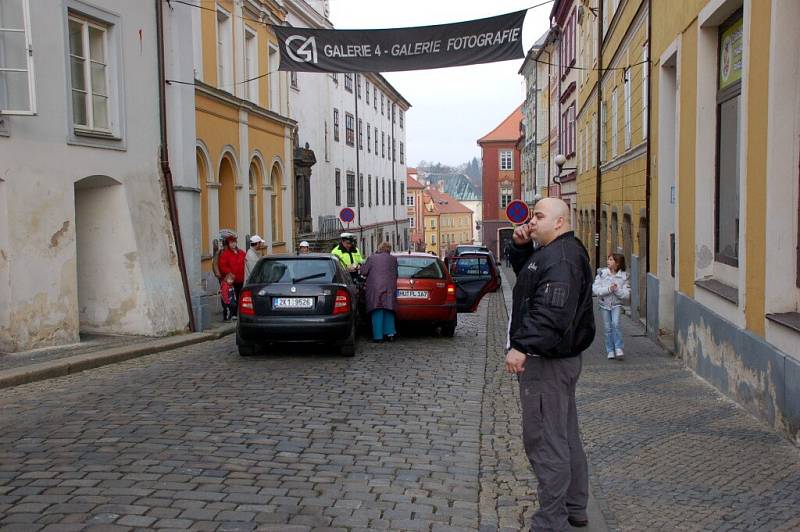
(381, 273)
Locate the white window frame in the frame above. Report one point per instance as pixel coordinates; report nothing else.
(412, 222)
(26, 30)
(627, 106)
(410, 200)
(273, 79)
(506, 195)
(614, 121)
(89, 128)
(645, 88)
(251, 64)
(506, 160)
(224, 49)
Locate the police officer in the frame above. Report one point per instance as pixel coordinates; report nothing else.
(552, 322)
(347, 252)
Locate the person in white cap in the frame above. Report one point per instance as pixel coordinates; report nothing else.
(303, 248)
(252, 255)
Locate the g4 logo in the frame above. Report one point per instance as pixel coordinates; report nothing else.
(306, 52)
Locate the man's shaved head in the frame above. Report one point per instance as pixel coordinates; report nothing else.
(550, 220)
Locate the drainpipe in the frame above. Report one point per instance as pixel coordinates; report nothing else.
(647, 151)
(165, 169)
(598, 187)
(394, 184)
(549, 103)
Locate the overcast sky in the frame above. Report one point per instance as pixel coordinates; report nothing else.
(451, 107)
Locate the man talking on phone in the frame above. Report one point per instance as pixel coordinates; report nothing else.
(552, 323)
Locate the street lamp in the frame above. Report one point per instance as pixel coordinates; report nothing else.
(560, 160)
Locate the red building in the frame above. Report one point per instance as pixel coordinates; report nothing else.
(501, 180)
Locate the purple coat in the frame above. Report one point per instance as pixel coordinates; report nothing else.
(381, 273)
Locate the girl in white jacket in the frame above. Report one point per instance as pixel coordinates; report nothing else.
(612, 288)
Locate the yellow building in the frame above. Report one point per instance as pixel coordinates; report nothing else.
(244, 138)
(447, 222)
(724, 280)
(414, 209)
(623, 140)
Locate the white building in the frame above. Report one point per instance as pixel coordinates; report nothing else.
(356, 125)
(86, 243)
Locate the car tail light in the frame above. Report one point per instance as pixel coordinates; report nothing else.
(451, 293)
(342, 303)
(246, 307)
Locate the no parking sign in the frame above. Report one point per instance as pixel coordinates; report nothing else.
(347, 215)
(517, 212)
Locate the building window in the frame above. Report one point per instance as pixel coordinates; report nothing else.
(348, 82)
(335, 78)
(433, 223)
(394, 157)
(412, 223)
(433, 238)
(506, 193)
(375, 97)
(88, 53)
(382, 113)
(645, 87)
(336, 125)
(402, 115)
(603, 132)
(351, 189)
(360, 134)
(293, 79)
(369, 188)
(376, 141)
(366, 90)
(338, 186)
(410, 200)
(626, 102)
(571, 130)
(614, 122)
(729, 84)
(402, 153)
(369, 137)
(327, 143)
(17, 94)
(506, 160)
(253, 199)
(383, 144)
(251, 65)
(402, 193)
(360, 190)
(358, 85)
(349, 126)
(224, 51)
(377, 192)
(274, 80)
(383, 192)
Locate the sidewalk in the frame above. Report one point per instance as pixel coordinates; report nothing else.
(667, 451)
(94, 351)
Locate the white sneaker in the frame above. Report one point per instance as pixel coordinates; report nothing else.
(611, 355)
(620, 354)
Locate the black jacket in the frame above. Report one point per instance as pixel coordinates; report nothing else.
(552, 310)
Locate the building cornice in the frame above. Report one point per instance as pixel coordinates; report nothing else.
(239, 103)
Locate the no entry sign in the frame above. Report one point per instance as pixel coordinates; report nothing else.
(517, 212)
(347, 215)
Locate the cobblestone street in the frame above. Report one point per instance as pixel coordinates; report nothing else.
(422, 434)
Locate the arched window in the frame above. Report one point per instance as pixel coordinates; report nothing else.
(202, 180)
(275, 204)
(254, 186)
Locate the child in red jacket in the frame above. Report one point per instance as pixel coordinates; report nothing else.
(228, 295)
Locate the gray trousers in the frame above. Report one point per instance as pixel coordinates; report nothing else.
(552, 440)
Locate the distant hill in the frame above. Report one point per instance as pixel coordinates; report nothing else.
(471, 169)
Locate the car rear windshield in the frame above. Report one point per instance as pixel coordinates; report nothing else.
(419, 268)
(294, 271)
(470, 266)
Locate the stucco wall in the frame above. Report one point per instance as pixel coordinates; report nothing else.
(140, 290)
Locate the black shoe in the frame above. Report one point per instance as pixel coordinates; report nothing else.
(390, 339)
(577, 523)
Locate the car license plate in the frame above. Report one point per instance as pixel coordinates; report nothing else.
(292, 302)
(413, 294)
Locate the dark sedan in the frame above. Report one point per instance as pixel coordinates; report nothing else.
(298, 298)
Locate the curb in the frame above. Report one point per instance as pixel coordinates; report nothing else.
(78, 363)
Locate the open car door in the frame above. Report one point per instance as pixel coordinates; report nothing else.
(474, 275)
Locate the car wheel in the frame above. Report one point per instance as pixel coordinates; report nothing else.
(348, 348)
(247, 350)
(449, 328)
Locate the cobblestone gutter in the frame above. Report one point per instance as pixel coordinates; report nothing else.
(507, 485)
